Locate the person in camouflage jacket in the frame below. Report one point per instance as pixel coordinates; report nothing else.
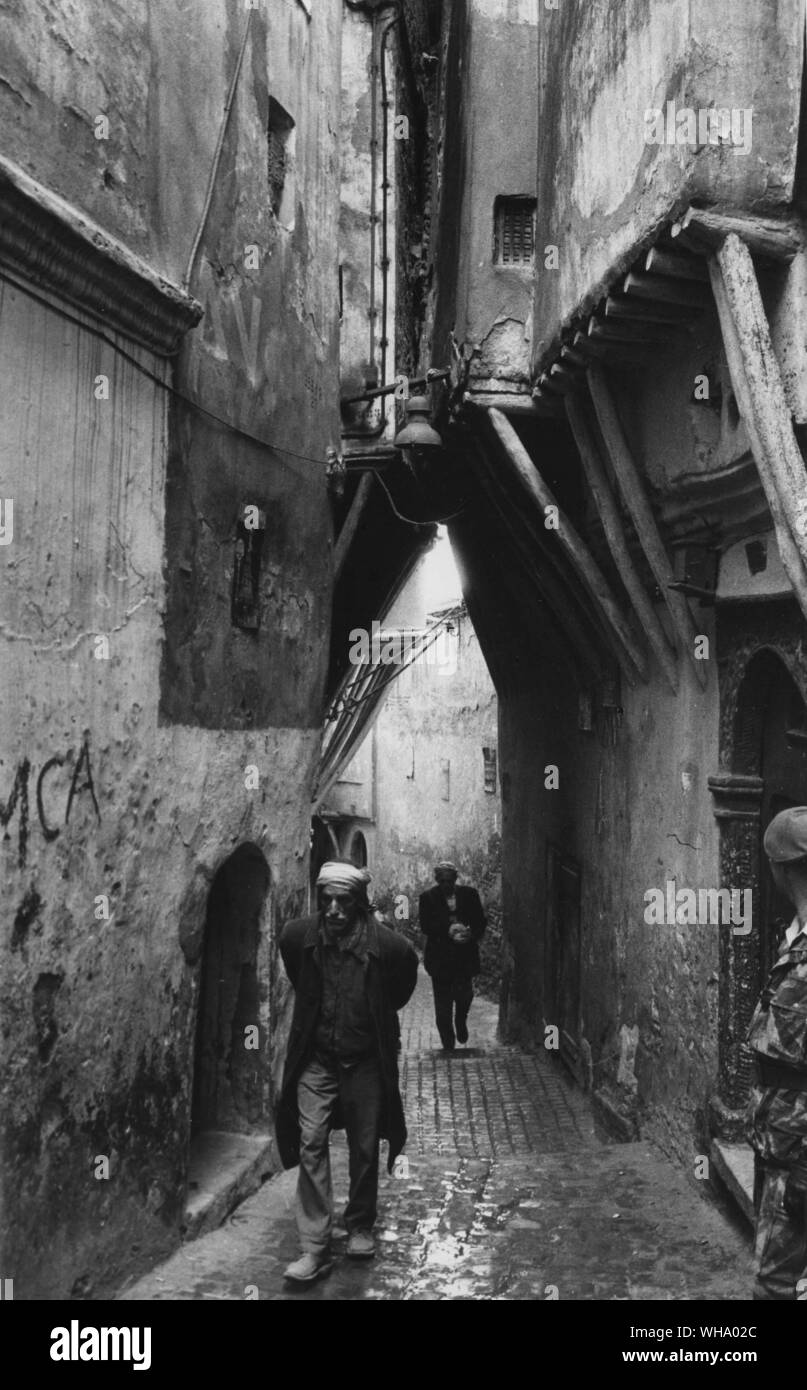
(777, 1038)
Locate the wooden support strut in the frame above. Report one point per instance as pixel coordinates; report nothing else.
(658, 262)
(757, 384)
(629, 655)
(350, 524)
(548, 588)
(663, 290)
(702, 230)
(627, 331)
(616, 354)
(633, 493)
(618, 307)
(615, 536)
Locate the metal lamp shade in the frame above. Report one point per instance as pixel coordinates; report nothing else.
(417, 433)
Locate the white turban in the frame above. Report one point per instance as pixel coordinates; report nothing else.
(345, 877)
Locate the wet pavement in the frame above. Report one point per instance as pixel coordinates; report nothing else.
(508, 1193)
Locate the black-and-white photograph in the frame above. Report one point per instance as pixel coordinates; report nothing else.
(403, 718)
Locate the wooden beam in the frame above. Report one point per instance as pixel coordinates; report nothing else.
(628, 653)
(679, 267)
(572, 358)
(664, 291)
(546, 585)
(615, 354)
(627, 331)
(770, 238)
(350, 523)
(617, 541)
(563, 376)
(757, 383)
(554, 386)
(633, 495)
(645, 311)
(548, 402)
(514, 402)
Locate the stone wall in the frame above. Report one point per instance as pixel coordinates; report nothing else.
(144, 735)
(602, 189)
(485, 309)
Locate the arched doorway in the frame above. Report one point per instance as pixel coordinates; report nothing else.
(324, 846)
(766, 750)
(228, 1066)
(357, 853)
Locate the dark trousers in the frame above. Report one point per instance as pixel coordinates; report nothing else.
(452, 1000)
(780, 1246)
(357, 1087)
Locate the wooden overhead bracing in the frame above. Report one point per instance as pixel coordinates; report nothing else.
(706, 259)
(634, 496)
(576, 626)
(627, 650)
(615, 536)
(772, 239)
(660, 296)
(760, 394)
(351, 523)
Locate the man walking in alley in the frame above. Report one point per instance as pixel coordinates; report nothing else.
(350, 975)
(452, 920)
(778, 1040)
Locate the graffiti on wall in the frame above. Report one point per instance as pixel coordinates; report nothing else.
(18, 799)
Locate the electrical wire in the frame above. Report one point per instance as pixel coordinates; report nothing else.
(203, 410)
(211, 182)
(429, 521)
(157, 380)
(174, 391)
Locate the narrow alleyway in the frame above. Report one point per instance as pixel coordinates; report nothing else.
(510, 1194)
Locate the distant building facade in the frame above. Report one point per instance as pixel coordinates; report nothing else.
(424, 785)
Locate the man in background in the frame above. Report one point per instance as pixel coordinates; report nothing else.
(452, 920)
(778, 1117)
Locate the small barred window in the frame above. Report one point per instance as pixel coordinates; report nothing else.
(514, 231)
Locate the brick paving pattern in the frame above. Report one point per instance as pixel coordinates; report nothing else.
(483, 1099)
(510, 1195)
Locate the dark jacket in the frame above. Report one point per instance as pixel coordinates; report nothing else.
(778, 1035)
(442, 957)
(392, 968)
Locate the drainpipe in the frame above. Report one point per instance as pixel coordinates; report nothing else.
(385, 187)
(377, 71)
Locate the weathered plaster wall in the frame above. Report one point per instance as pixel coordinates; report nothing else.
(601, 188)
(119, 503)
(633, 815)
(492, 61)
(267, 358)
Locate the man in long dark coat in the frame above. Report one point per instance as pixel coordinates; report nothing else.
(350, 976)
(452, 920)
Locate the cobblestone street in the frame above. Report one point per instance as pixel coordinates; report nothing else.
(511, 1194)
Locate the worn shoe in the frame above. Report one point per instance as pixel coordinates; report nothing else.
(308, 1268)
(360, 1245)
(462, 1031)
